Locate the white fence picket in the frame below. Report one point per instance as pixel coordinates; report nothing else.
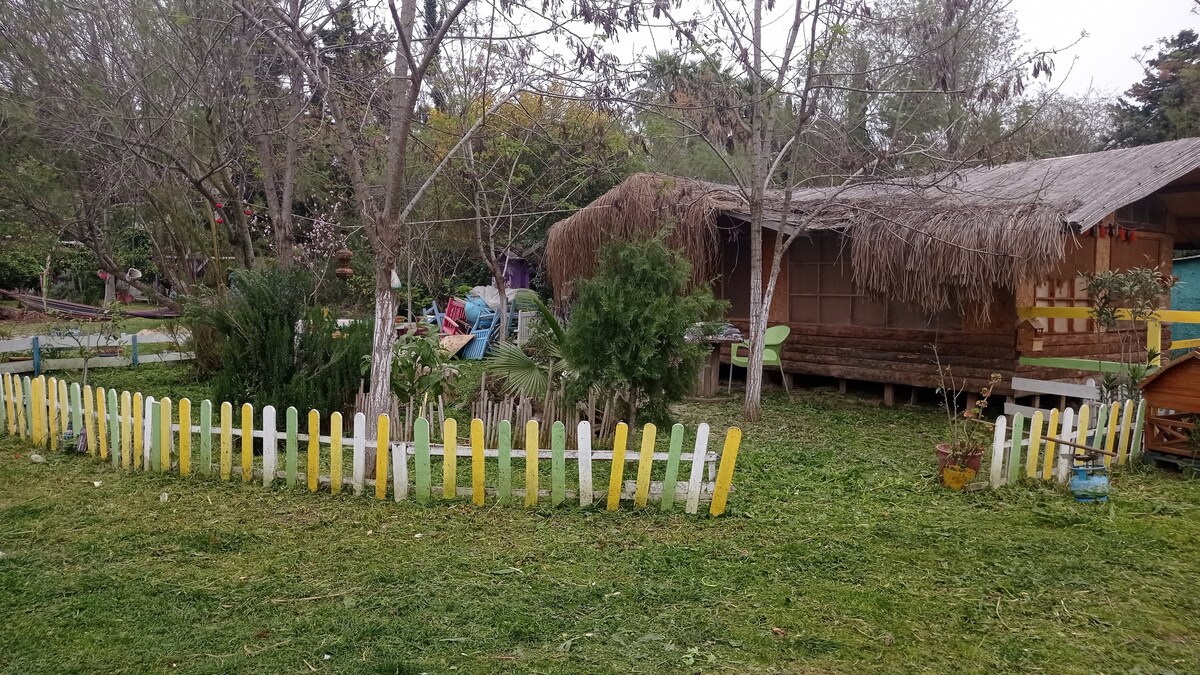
(997, 468)
(699, 454)
(360, 452)
(270, 445)
(584, 443)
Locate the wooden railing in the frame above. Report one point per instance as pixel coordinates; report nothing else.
(1153, 326)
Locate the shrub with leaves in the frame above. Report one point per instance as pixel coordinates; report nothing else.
(276, 349)
(627, 328)
(1140, 291)
(421, 368)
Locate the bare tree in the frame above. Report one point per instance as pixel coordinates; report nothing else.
(373, 82)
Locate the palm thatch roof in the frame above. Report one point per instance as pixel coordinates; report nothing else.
(936, 241)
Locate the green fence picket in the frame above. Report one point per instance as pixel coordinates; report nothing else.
(421, 458)
(672, 474)
(558, 464)
(504, 469)
(206, 437)
(293, 452)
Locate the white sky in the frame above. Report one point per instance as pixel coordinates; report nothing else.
(1117, 30)
(1101, 62)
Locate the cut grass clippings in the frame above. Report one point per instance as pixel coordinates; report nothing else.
(840, 555)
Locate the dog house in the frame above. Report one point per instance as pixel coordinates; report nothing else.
(1173, 407)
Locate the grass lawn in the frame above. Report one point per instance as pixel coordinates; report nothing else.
(840, 555)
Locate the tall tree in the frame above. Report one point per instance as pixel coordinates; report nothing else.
(373, 84)
(1165, 105)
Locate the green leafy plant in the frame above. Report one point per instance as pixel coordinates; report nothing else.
(538, 367)
(1138, 291)
(420, 369)
(627, 329)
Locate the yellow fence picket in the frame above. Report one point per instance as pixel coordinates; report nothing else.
(52, 413)
(1051, 446)
(139, 461)
(733, 440)
(449, 458)
(477, 473)
(314, 449)
(185, 437)
(102, 423)
(531, 463)
(127, 454)
(247, 421)
(226, 441)
(335, 453)
(164, 435)
(37, 402)
(645, 461)
(382, 443)
(620, 438)
(1126, 428)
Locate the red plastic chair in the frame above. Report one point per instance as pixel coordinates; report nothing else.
(456, 310)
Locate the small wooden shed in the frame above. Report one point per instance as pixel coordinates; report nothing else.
(1173, 407)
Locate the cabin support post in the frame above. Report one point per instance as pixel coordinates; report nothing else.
(1154, 341)
(889, 395)
(841, 385)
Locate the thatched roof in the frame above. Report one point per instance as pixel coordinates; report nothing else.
(935, 241)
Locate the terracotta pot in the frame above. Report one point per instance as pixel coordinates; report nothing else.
(943, 454)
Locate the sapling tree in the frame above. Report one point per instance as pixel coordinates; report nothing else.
(627, 332)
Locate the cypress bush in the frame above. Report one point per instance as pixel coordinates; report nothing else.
(627, 327)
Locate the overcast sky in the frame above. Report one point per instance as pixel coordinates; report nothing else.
(1117, 29)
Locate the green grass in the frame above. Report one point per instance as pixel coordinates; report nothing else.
(176, 380)
(840, 555)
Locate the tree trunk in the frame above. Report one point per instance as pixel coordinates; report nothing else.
(379, 398)
(752, 410)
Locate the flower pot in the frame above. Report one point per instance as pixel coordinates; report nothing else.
(956, 477)
(946, 466)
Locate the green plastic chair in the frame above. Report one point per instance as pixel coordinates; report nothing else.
(771, 353)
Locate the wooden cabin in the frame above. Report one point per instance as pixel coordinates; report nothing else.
(877, 273)
(1173, 407)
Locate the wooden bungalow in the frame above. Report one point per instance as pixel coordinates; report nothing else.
(879, 272)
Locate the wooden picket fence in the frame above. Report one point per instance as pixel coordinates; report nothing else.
(137, 432)
(1030, 448)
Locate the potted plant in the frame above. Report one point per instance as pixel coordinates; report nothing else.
(960, 457)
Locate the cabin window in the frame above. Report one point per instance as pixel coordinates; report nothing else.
(1070, 292)
(821, 291)
(735, 275)
(1145, 214)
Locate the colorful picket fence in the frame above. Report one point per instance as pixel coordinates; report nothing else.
(136, 432)
(1032, 447)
